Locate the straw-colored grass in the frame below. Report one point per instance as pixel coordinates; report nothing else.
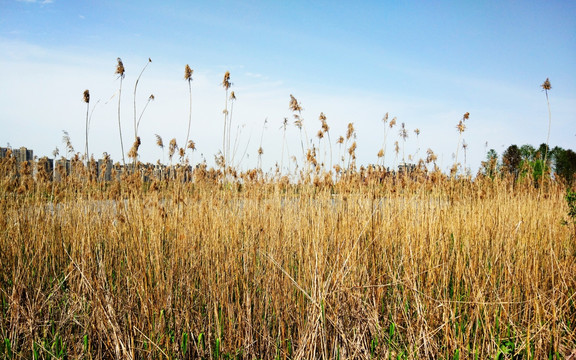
(371, 266)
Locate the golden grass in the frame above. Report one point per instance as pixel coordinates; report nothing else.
(369, 266)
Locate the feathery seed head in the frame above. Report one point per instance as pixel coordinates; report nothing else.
(431, 157)
(381, 153)
(340, 140)
(461, 127)
(294, 105)
(133, 154)
(232, 96)
(417, 132)
(392, 122)
(172, 148)
(191, 145)
(350, 131)
(159, 141)
(120, 68)
(385, 118)
(322, 117)
(403, 132)
(188, 73)
(86, 96)
(466, 116)
(226, 82)
(546, 85)
(352, 148)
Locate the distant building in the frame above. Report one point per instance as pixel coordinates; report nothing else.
(105, 169)
(23, 154)
(46, 165)
(404, 167)
(62, 169)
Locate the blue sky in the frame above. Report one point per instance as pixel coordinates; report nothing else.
(427, 63)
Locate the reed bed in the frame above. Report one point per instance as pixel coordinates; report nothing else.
(369, 266)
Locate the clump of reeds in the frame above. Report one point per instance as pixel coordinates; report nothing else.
(373, 266)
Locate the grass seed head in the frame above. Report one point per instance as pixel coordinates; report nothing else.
(172, 148)
(294, 104)
(350, 131)
(546, 85)
(133, 154)
(385, 118)
(159, 141)
(188, 73)
(120, 68)
(86, 96)
(226, 81)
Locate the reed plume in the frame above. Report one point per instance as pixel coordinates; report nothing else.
(226, 84)
(461, 127)
(120, 71)
(404, 135)
(260, 150)
(160, 144)
(295, 106)
(86, 99)
(188, 77)
(417, 132)
(325, 130)
(133, 153)
(546, 86)
(172, 147)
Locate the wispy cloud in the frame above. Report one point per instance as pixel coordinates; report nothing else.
(42, 2)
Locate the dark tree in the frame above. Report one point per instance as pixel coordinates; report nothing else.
(527, 152)
(511, 159)
(564, 163)
(490, 166)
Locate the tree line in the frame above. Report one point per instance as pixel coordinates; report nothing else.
(527, 160)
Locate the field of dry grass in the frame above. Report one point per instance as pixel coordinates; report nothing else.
(368, 266)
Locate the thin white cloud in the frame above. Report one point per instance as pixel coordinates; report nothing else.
(43, 2)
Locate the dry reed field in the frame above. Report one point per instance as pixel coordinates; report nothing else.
(326, 262)
(370, 265)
